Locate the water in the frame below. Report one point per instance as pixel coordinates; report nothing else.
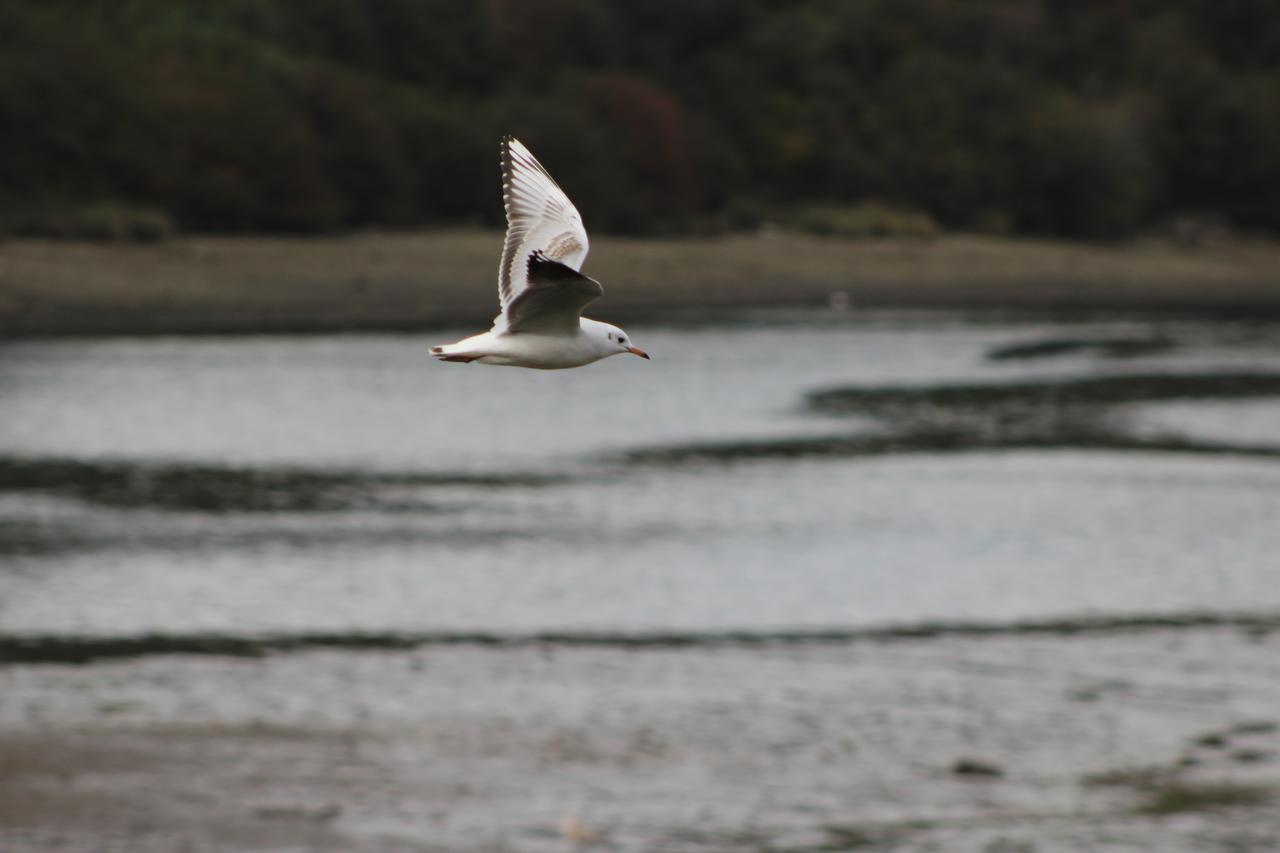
(766, 592)
(278, 485)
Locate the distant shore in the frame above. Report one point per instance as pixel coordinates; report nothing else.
(422, 280)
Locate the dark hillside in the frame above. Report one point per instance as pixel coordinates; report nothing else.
(1085, 119)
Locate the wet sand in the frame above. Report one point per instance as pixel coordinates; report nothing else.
(432, 279)
(1140, 739)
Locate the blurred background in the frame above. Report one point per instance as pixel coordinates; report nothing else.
(945, 516)
(1096, 119)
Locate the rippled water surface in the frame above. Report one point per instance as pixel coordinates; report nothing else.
(812, 472)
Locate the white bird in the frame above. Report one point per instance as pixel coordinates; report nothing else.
(541, 292)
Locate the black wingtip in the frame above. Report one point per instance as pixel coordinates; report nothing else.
(545, 270)
(536, 261)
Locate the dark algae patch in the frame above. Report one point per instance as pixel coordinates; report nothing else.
(204, 488)
(1163, 790)
(976, 768)
(1171, 789)
(1131, 777)
(852, 838)
(1091, 391)
(1230, 735)
(1107, 347)
(1175, 797)
(210, 488)
(1043, 414)
(80, 649)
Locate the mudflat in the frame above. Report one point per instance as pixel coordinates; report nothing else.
(1137, 739)
(430, 279)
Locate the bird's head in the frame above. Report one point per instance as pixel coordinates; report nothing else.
(619, 341)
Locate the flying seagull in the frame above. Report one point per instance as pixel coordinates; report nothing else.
(541, 292)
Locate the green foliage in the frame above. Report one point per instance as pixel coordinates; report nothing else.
(1087, 119)
(1181, 797)
(102, 221)
(1083, 170)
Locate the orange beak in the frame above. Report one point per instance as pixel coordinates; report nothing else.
(637, 351)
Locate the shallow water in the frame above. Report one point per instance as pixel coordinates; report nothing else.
(824, 472)
(772, 591)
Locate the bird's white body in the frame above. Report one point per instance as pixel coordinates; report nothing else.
(593, 341)
(541, 292)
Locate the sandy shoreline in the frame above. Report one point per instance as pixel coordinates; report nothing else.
(1162, 740)
(433, 279)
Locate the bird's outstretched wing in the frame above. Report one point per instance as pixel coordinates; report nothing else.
(540, 218)
(552, 300)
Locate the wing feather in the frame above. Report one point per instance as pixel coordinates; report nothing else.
(540, 218)
(552, 301)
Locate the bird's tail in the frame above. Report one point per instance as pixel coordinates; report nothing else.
(452, 352)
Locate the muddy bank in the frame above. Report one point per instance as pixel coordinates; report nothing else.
(433, 279)
(1158, 740)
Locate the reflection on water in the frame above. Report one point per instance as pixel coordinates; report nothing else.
(346, 486)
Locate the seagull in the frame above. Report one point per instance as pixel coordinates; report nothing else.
(541, 292)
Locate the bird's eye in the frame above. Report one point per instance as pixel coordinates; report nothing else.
(622, 340)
